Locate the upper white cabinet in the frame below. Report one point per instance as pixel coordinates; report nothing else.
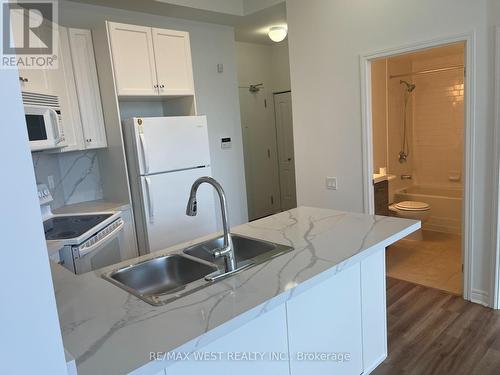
(150, 62)
(62, 83)
(173, 62)
(35, 80)
(87, 88)
(133, 59)
(76, 84)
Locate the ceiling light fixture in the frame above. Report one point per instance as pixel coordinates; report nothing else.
(277, 33)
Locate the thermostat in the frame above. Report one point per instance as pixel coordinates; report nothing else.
(225, 143)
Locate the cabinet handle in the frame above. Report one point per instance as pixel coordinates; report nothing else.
(155, 86)
(23, 79)
(162, 86)
(89, 140)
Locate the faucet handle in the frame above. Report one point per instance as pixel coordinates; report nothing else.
(221, 251)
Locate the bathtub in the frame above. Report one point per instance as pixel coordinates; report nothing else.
(446, 206)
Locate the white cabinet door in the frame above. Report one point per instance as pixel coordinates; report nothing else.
(133, 59)
(266, 334)
(35, 80)
(173, 62)
(326, 319)
(87, 88)
(62, 83)
(374, 311)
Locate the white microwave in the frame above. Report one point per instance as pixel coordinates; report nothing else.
(43, 121)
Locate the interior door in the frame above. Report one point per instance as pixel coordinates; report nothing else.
(259, 144)
(173, 62)
(165, 199)
(173, 143)
(133, 59)
(284, 136)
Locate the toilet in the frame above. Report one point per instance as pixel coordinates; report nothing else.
(412, 210)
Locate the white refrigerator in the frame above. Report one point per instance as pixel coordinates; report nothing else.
(165, 155)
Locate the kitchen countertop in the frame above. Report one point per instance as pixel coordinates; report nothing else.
(91, 206)
(109, 331)
(383, 177)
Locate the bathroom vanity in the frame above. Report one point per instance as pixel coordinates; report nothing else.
(317, 309)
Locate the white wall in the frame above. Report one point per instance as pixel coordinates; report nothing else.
(216, 94)
(31, 340)
(262, 63)
(326, 39)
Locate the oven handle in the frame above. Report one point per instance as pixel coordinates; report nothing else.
(111, 236)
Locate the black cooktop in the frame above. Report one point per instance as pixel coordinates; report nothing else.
(66, 227)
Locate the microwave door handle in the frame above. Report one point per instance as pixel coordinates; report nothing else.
(151, 207)
(144, 153)
(105, 240)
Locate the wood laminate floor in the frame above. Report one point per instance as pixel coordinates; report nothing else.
(434, 332)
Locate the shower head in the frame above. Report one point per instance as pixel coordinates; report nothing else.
(409, 86)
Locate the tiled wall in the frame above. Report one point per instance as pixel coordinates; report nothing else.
(435, 118)
(438, 135)
(76, 176)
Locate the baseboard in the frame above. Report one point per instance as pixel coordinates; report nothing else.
(373, 366)
(481, 297)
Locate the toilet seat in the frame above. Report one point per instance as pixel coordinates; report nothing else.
(412, 206)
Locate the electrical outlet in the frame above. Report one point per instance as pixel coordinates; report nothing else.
(331, 183)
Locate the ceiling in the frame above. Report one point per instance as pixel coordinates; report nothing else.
(251, 21)
(253, 28)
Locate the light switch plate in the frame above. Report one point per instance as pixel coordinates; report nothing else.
(331, 183)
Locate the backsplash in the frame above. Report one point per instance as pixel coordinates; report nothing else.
(76, 176)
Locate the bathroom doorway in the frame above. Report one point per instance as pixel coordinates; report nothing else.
(418, 160)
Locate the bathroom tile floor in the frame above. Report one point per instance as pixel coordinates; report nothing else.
(435, 262)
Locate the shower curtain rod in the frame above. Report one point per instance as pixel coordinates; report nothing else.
(428, 71)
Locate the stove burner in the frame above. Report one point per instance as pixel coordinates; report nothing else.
(71, 226)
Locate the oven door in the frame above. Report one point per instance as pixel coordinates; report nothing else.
(104, 249)
(43, 127)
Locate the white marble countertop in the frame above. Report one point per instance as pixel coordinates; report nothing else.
(91, 206)
(109, 331)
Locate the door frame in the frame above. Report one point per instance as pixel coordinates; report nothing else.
(468, 222)
(495, 300)
(278, 149)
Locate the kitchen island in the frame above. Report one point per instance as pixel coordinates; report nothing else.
(317, 309)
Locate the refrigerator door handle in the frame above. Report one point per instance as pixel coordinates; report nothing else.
(151, 207)
(144, 153)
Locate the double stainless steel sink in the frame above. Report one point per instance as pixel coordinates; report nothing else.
(166, 278)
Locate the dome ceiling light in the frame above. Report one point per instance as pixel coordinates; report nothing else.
(277, 33)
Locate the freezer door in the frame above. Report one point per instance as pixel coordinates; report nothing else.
(165, 200)
(172, 143)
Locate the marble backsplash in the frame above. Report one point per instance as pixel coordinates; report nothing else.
(76, 176)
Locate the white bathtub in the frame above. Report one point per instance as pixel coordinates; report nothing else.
(446, 206)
